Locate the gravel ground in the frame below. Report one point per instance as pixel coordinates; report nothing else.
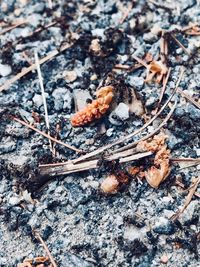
(80, 225)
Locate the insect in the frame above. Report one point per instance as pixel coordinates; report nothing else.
(96, 109)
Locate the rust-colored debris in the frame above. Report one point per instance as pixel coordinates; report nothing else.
(36, 262)
(96, 109)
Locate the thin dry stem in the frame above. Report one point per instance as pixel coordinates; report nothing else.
(150, 134)
(139, 60)
(183, 187)
(43, 95)
(180, 44)
(46, 135)
(32, 67)
(188, 199)
(189, 98)
(38, 236)
(13, 27)
(185, 159)
(163, 88)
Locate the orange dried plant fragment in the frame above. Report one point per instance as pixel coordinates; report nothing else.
(158, 69)
(155, 175)
(96, 109)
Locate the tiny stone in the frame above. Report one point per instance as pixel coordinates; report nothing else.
(122, 111)
(5, 70)
(137, 82)
(93, 77)
(70, 76)
(13, 201)
(109, 132)
(164, 259)
(179, 51)
(151, 101)
(156, 29)
(37, 99)
(164, 226)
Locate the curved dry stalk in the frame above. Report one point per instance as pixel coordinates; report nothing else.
(148, 135)
(47, 135)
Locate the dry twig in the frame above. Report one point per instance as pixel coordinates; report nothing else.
(69, 167)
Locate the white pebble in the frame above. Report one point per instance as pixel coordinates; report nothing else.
(122, 111)
(5, 70)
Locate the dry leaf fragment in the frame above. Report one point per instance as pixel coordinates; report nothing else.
(156, 68)
(133, 170)
(96, 109)
(158, 173)
(162, 154)
(155, 175)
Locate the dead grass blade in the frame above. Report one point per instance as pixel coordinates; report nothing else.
(188, 199)
(43, 97)
(46, 135)
(38, 236)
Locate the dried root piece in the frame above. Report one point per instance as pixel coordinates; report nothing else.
(158, 69)
(96, 109)
(112, 183)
